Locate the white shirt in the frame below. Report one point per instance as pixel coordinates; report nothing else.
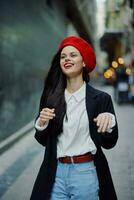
(75, 138)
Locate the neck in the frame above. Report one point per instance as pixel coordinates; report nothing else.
(73, 84)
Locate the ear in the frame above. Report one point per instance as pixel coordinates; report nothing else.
(83, 64)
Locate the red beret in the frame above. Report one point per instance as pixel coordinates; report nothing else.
(84, 48)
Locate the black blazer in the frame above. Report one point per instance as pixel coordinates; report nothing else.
(96, 102)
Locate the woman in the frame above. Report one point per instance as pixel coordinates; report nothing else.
(74, 122)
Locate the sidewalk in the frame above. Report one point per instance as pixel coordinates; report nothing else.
(19, 167)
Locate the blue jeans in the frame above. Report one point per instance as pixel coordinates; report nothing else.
(75, 181)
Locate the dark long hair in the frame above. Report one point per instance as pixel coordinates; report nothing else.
(53, 92)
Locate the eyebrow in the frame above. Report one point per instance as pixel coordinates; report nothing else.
(70, 52)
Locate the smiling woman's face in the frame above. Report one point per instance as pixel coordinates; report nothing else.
(71, 61)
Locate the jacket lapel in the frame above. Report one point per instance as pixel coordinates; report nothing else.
(92, 111)
(91, 101)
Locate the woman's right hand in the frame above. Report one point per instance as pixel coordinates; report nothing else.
(45, 115)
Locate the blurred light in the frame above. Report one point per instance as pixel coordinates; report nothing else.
(108, 73)
(128, 71)
(114, 64)
(112, 69)
(120, 60)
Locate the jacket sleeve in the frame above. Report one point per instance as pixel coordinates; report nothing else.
(42, 135)
(108, 140)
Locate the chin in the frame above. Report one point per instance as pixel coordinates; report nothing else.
(71, 75)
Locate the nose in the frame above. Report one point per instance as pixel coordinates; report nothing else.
(67, 58)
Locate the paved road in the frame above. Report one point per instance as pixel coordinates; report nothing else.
(20, 164)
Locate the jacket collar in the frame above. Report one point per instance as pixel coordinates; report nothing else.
(91, 92)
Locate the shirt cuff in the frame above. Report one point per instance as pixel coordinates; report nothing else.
(112, 124)
(40, 128)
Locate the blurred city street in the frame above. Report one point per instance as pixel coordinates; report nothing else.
(30, 34)
(20, 164)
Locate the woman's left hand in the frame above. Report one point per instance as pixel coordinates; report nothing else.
(103, 121)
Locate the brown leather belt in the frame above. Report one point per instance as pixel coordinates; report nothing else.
(76, 159)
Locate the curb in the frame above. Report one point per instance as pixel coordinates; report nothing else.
(7, 143)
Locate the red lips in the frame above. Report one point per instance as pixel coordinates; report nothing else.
(68, 64)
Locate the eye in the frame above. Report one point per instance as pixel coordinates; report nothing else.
(73, 55)
(62, 56)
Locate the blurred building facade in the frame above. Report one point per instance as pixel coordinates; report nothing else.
(81, 13)
(118, 43)
(118, 38)
(30, 32)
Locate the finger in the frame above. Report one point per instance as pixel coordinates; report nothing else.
(45, 120)
(110, 123)
(46, 117)
(98, 120)
(95, 119)
(105, 124)
(101, 123)
(49, 110)
(47, 113)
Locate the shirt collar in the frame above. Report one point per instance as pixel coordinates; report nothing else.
(78, 95)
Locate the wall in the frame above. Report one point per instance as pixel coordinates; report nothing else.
(29, 34)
